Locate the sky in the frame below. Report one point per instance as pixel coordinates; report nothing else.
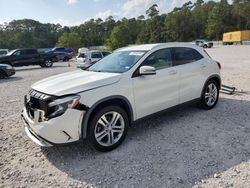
(75, 12)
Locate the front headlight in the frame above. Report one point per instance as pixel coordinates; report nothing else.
(60, 105)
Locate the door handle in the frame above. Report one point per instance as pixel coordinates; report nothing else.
(203, 66)
(172, 72)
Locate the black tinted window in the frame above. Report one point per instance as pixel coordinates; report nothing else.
(96, 55)
(59, 49)
(105, 53)
(30, 52)
(159, 59)
(185, 55)
(19, 52)
(82, 55)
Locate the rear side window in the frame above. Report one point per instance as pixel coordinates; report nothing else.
(96, 55)
(182, 55)
(160, 59)
(30, 52)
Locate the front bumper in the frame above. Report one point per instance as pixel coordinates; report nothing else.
(60, 130)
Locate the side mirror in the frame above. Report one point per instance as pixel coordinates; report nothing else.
(147, 70)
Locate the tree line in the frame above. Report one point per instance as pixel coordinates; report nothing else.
(186, 23)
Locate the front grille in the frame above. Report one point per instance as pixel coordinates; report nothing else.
(37, 100)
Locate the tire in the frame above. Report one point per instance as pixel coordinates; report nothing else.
(102, 135)
(66, 59)
(205, 46)
(2, 74)
(210, 95)
(47, 63)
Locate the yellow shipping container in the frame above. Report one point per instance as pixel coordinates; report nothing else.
(236, 36)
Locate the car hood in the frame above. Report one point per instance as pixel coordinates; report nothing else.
(75, 82)
(3, 57)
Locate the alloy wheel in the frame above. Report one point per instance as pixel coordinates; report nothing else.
(109, 128)
(211, 94)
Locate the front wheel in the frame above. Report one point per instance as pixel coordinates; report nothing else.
(210, 95)
(47, 63)
(108, 128)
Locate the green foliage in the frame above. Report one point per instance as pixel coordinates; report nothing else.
(200, 19)
(152, 11)
(219, 20)
(69, 40)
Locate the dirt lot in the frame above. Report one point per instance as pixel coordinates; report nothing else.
(182, 148)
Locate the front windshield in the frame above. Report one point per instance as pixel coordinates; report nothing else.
(117, 62)
(10, 52)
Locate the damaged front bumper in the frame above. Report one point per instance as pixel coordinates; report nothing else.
(59, 130)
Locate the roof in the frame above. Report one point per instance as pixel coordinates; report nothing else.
(148, 47)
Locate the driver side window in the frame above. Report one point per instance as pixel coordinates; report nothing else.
(17, 53)
(160, 59)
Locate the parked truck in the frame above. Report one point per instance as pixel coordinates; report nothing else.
(236, 37)
(25, 57)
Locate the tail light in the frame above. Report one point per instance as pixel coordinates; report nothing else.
(218, 63)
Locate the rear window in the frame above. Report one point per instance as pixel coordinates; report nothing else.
(105, 53)
(184, 55)
(82, 55)
(96, 55)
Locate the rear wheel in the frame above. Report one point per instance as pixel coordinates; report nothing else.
(47, 63)
(108, 128)
(66, 59)
(210, 95)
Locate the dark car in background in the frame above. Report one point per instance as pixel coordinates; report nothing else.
(28, 56)
(62, 54)
(6, 71)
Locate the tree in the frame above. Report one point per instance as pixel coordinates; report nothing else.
(152, 11)
(209, 19)
(241, 14)
(69, 40)
(119, 37)
(219, 20)
(141, 17)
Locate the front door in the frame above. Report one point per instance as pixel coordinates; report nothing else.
(153, 93)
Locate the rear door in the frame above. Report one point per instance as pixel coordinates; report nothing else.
(189, 63)
(153, 93)
(33, 57)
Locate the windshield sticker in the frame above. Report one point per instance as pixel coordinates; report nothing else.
(136, 53)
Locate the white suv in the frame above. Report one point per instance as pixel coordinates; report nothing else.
(101, 103)
(86, 59)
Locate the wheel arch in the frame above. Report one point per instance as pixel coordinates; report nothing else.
(3, 73)
(112, 100)
(214, 77)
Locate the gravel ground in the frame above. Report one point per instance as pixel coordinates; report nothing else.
(184, 147)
